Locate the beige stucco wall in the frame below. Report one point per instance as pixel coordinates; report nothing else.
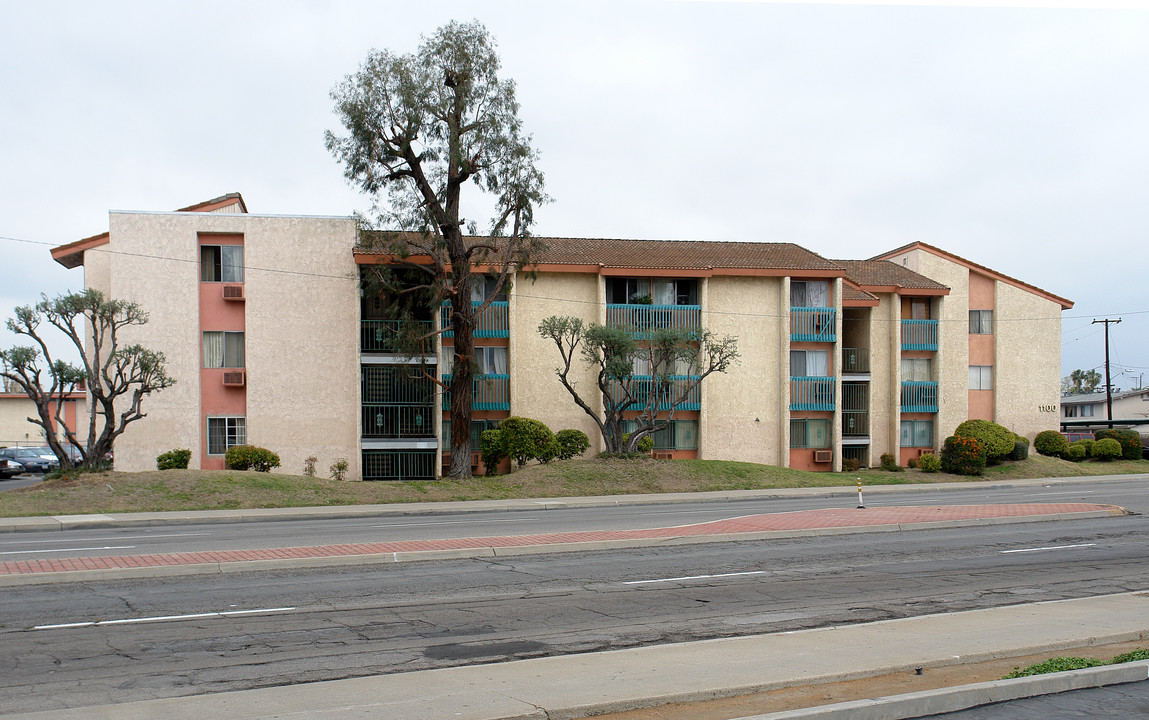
(951, 365)
(301, 330)
(535, 389)
(15, 430)
(740, 418)
(885, 354)
(1027, 360)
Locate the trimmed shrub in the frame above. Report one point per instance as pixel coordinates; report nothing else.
(645, 444)
(1076, 453)
(997, 440)
(963, 455)
(491, 450)
(1130, 441)
(1085, 443)
(572, 443)
(851, 464)
(549, 452)
(1051, 443)
(250, 457)
(174, 460)
(912, 463)
(1106, 449)
(1020, 448)
(890, 463)
(930, 463)
(523, 438)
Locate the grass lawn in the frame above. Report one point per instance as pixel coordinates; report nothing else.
(185, 490)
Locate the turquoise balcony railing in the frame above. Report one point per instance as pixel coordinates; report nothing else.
(491, 392)
(399, 464)
(919, 335)
(812, 393)
(919, 397)
(644, 318)
(667, 389)
(812, 324)
(855, 360)
(390, 420)
(383, 335)
(491, 323)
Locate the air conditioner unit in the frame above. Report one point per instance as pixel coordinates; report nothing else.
(233, 292)
(823, 456)
(234, 378)
(925, 451)
(662, 455)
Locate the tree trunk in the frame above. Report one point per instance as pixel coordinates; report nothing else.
(462, 378)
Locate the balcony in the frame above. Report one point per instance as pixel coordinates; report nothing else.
(491, 392)
(399, 465)
(398, 420)
(384, 335)
(491, 323)
(855, 409)
(644, 318)
(855, 360)
(920, 335)
(812, 393)
(669, 389)
(919, 397)
(812, 324)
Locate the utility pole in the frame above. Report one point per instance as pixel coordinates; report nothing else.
(1108, 386)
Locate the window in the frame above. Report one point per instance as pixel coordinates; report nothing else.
(477, 429)
(918, 433)
(225, 432)
(491, 360)
(1078, 411)
(221, 263)
(809, 293)
(809, 363)
(631, 291)
(981, 377)
(809, 433)
(222, 349)
(919, 309)
(981, 322)
(624, 291)
(484, 287)
(917, 370)
(678, 435)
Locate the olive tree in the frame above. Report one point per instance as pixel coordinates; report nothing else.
(420, 128)
(111, 373)
(675, 363)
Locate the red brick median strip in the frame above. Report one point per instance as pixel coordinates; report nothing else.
(801, 520)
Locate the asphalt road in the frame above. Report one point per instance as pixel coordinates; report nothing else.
(1130, 700)
(191, 635)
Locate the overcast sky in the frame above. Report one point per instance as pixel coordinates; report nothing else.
(1016, 137)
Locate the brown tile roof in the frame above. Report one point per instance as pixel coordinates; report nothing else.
(673, 254)
(883, 273)
(853, 294)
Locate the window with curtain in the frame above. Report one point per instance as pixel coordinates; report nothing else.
(917, 370)
(809, 433)
(221, 263)
(981, 322)
(917, 433)
(491, 360)
(678, 435)
(809, 293)
(225, 432)
(223, 349)
(809, 363)
(981, 377)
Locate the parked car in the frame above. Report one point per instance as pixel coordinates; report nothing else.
(9, 468)
(1075, 436)
(30, 459)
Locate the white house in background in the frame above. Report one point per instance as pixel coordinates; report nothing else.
(1129, 405)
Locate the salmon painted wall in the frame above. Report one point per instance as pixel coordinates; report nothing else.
(216, 314)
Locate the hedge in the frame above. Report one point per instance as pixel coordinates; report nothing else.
(250, 457)
(1130, 441)
(174, 460)
(963, 455)
(998, 441)
(1106, 449)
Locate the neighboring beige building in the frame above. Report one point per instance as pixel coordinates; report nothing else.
(273, 343)
(1131, 405)
(17, 431)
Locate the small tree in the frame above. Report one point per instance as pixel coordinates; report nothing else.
(420, 128)
(612, 351)
(1080, 382)
(110, 372)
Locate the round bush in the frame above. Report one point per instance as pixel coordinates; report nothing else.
(1130, 441)
(1051, 443)
(250, 457)
(1020, 448)
(572, 443)
(851, 464)
(997, 440)
(491, 451)
(1085, 443)
(930, 463)
(1106, 449)
(174, 460)
(962, 455)
(890, 463)
(1076, 453)
(524, 438)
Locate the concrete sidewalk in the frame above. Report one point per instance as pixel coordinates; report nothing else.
(573, 686)
(749, 527)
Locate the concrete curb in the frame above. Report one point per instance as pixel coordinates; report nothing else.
(215, 568)
(944, 700)
(69, 522)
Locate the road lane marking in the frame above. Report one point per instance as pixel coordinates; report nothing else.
(694, 577)
(57, 550)
(1053, 547)
(162, 618)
